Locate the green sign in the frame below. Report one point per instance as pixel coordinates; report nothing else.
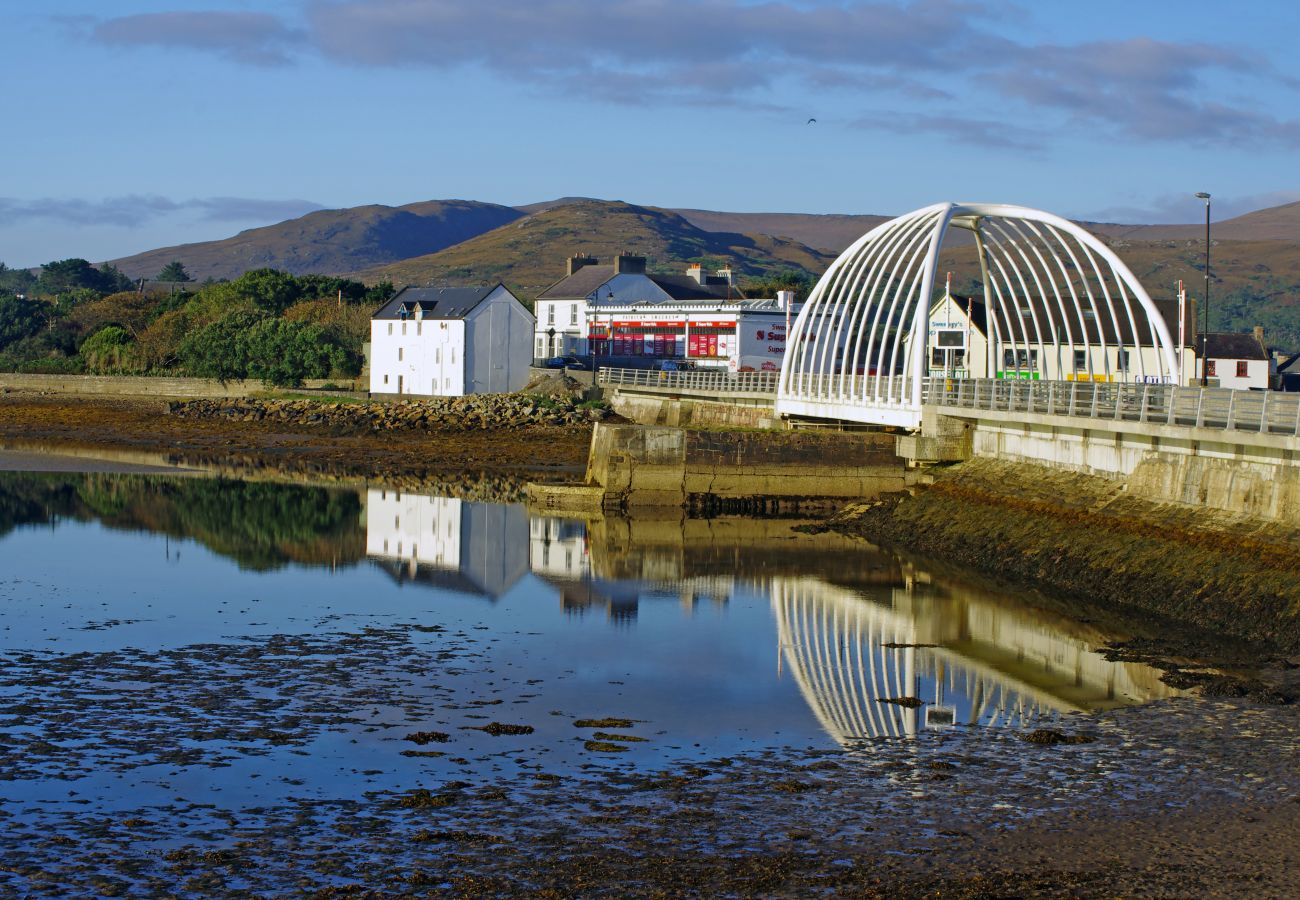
(1023, 376)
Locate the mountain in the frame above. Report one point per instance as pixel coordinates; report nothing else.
(331, 241)
(825, 232)
(1277, 223)
(529, 254)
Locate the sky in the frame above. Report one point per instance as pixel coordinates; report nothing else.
(136, 124)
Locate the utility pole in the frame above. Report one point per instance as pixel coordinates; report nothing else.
(1205, 333)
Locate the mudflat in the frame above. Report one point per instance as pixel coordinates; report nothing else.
(31, 422)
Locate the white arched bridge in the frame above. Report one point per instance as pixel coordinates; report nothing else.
(1057, 304)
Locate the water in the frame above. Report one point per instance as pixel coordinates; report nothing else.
(187, 653)
(174, 616)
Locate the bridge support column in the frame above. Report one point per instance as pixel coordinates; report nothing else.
(941, 439)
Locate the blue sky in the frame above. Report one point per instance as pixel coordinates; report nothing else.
(141, 123)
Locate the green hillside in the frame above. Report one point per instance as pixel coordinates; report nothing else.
(529, 254)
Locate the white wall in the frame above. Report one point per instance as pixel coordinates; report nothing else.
(413, 527)
(422, 358)
(569, 319)
(500, 345)
(1225, 370)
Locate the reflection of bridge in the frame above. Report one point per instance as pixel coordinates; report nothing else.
(968, 658)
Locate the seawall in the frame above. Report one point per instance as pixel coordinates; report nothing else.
(141, 386)
(638, 466)
(1234, 576)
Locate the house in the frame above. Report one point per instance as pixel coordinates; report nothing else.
(563, 308)
(1034, 342)
(448, 342)
(1240, 361)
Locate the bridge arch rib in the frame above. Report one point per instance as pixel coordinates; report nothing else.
(1057, 303)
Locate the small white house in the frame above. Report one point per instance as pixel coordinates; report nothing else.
(1240, 361)
(447, 342)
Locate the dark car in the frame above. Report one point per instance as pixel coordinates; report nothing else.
(563, 362)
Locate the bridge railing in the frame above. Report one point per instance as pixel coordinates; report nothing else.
(1264, 412)
(705, 381)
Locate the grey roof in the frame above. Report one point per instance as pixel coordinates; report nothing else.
(433, 303)
(582, 283)
(684, 287)
(578, 285)
(1222, 345)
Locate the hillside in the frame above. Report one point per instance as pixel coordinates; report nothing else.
(529, 254)
(330, 241)
(825, 232)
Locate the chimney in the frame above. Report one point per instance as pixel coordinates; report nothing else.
(626, 264)
(784, 299)
(694, 270)
(577, 261)
(725, 274)
(1259, 336)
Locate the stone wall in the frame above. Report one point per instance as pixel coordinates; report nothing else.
(647, 466)
(649, 409)
(135, 386)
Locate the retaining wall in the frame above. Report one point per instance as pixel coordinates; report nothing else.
(139, 386)
(647, 466)
(679, 412)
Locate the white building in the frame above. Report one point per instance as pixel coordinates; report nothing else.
(963, 341)
(447, 342)
(1240, 361)
(564, 309)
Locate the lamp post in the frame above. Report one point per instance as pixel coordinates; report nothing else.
(609, 331)
(1205, 333)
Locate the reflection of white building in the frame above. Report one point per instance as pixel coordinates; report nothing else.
(477, 548)
(970, 660)
(557, 548)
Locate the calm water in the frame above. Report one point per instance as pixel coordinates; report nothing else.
(232, 643)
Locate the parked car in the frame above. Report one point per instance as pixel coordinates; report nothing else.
(669, 365)
(580, 363)
(563, 362)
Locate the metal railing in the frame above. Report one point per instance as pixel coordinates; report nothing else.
(1262, 412)
(702, 380)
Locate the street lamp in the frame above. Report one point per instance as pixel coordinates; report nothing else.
(1205, 333)
(609, 331)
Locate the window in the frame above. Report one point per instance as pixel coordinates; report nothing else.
(399, 354)
(453, 356)
(385, 379)
(1121, 360)
(1209, 369)
(403, 328)
(1243, 369)
(390, 327)
(437, 356)
(550, 314)
(1080, 360)
(419, 328)
(573, 314)
(936, 358)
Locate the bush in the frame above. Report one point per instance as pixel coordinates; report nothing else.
(110, 350)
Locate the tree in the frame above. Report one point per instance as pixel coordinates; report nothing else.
(15, 281)
(271, 290)
(174, 271)
(219, 350)
(285, 353)
(20, 319)
(70, 274)
(108, 350)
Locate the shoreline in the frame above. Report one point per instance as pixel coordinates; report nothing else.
(118, 427)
